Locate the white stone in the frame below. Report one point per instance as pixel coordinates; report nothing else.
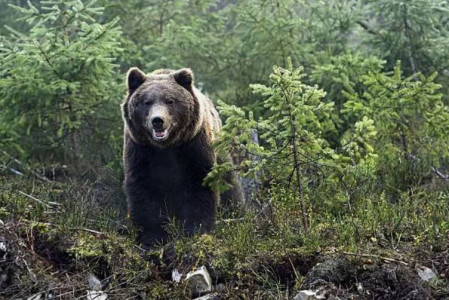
(176, 276)
(359, 287)
(425, 273)
(208, 297)
(199, 280)
(94, 282)
(308, 295)
(2, 246)
(96, 295)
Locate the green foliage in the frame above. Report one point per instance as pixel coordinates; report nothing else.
(226, 43)
(398, 122)
(357, 144)
(411, 123)
(411, 31)
(57, 85)
(291, 132)
(9, 16)
(343, 73)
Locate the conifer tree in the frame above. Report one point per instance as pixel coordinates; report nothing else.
(58, 89)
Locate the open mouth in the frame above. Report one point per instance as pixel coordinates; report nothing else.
(160, 134)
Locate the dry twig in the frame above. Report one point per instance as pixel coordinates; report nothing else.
(387, 259)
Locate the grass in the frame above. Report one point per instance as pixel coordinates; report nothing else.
(59, 232)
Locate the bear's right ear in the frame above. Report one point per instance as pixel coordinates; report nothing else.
(134, 79)
(184, 77)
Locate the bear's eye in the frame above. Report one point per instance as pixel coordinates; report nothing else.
(170, 102)
(147, 103)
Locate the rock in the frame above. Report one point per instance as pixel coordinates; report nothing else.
(425, 273)
(335, 270)
(95, 292)
(199, 280)
(176, 276)
(208, 297)
(359, 287)
(308, 295)
(94, 282)
(3, 248)
(96, 295)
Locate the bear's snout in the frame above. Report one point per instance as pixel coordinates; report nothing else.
(157, 122)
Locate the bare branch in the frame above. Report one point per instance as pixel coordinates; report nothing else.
(12, 170)
(41, 177)
(387, 259)
(35, 199)
(365, 26)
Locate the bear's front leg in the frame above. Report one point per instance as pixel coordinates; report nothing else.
(148, 214)
(197, 212)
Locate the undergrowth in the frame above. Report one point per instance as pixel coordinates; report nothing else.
(58, 233)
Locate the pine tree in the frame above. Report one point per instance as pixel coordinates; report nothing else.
(411, 121)
(291, 136)
(58, 87)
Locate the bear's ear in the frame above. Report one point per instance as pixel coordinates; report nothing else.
(184, 77)
(134, 79)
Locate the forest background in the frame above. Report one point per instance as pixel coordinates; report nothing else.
(348, 101)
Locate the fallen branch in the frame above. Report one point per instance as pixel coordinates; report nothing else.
(439, 174)
(263, 210)
(12, 170)
(33, 276)
(387, 259)
(434, 169)
(41, 177)
(35, 199)
(228, 221)
(89, 230)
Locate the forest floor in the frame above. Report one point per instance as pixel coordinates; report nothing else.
(70, 239)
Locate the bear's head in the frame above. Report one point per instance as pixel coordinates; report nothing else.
(161, 108)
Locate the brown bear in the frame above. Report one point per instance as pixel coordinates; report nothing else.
(169, 129)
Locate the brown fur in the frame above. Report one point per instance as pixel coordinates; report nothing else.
(169, 129)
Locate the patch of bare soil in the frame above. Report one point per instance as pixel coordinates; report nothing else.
(359, 278)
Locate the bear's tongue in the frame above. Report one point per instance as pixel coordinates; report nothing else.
(159, 133)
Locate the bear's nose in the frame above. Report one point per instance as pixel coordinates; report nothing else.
(157, 122)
